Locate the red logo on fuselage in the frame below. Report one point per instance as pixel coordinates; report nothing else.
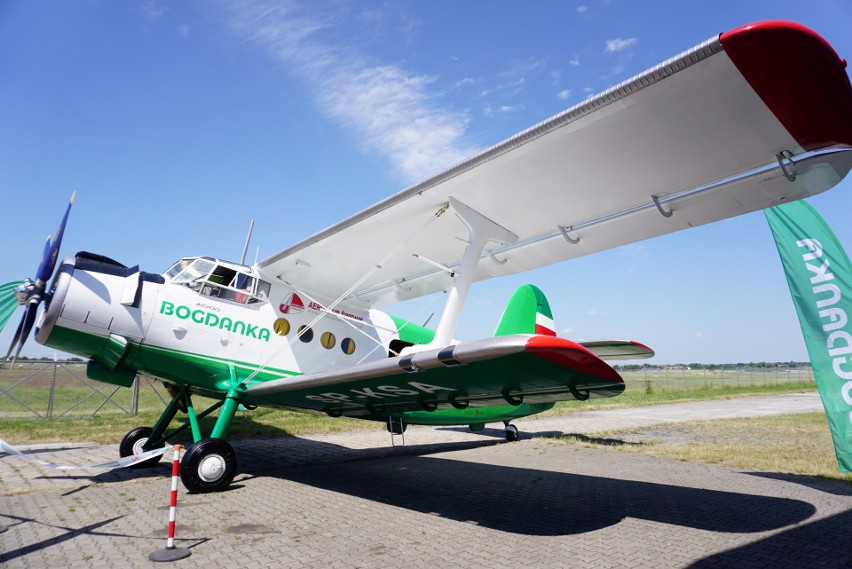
(292, 305)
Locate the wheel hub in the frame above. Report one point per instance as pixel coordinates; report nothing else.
(211, 468)
(137, 446)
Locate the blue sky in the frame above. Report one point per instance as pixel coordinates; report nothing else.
(178, 122)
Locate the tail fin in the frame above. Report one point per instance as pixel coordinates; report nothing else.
(528, 312)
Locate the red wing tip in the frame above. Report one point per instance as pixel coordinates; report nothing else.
(547, 341)
(784, 27)
(773, 25)
(779, 29)
(815, 107)
(572, 355)
(641, 345)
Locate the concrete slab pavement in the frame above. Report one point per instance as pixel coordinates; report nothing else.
(449, 498)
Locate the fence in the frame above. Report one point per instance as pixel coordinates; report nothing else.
(50, 390)
(681, 379)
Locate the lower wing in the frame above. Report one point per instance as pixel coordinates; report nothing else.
(495, 371)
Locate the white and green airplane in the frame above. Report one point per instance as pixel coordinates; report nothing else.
(748, 119)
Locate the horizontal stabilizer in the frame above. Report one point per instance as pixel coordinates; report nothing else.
(618, 350)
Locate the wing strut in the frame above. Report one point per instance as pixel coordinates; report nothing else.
(482, 231)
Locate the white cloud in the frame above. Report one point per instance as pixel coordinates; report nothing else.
(505, 109)
(392, 111)
(528, 66)
(574, 61)
(619, 44)
(582, 9)
(564, 95)
(152, 11)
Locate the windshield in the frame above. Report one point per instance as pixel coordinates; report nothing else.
(188, 271)
(218, 280)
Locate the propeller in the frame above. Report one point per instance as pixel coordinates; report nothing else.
(29, 293)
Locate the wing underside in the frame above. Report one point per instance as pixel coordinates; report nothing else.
(715, 132)
(495, 371)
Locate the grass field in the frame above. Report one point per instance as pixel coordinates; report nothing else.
(797, 444)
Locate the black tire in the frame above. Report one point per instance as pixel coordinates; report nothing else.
(132, 444)
(208, 466)
(511, 433)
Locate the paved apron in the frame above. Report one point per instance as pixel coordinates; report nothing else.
(449, 498)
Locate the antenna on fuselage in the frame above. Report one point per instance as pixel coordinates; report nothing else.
(248, 239)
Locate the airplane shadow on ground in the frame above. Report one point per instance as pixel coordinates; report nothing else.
(536, 502)
(836, 487)
(512, 499)
(827, 540)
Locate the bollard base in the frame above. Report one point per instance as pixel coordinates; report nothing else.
(169, 554)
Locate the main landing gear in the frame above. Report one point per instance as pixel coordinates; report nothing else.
(209, 464)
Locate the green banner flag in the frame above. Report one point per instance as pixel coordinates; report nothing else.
(8, 302)
(820, 279)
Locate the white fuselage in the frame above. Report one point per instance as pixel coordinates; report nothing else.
(121, 316)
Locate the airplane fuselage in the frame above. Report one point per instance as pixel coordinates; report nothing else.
(201, 333)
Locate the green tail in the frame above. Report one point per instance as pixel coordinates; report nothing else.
(528, 312)
(820, 278)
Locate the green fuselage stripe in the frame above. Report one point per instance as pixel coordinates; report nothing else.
(209, 375)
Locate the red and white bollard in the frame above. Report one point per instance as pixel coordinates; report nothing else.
(172, 553)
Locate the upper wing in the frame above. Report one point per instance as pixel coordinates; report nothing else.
(501, 370)
(739, 123)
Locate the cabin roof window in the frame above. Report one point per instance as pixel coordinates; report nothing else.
(219, 279)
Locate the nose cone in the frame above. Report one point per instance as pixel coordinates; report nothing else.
(53, 308)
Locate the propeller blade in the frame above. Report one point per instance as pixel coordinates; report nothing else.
(48, 262)
(28, 320)
(45, 252)
(8, 302)
(15, 339)
(23, 330)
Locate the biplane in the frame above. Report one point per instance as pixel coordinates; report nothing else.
(751, 118)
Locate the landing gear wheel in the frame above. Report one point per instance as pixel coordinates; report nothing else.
(511, 433)
(132, 444)
(208, 466)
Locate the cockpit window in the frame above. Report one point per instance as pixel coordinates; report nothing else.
(215, 279)
(187, 271)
